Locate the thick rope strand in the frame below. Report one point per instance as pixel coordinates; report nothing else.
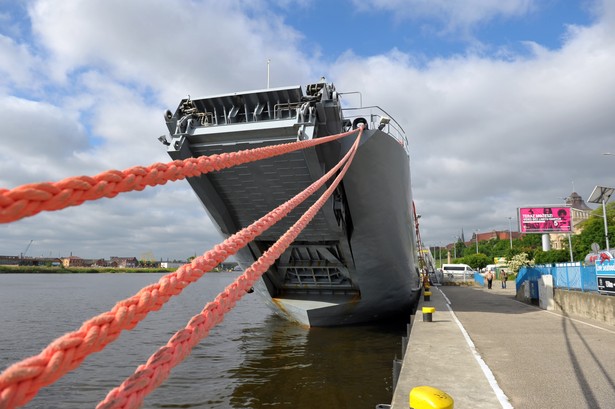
(147, 377)
(28, 200)
(20, 382)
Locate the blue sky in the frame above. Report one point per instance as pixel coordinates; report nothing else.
(506, 104)
(336, 26)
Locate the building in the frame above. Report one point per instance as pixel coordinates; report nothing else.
(579, 212)
(490, 235)
(171, 264)
(495, 234)
(74, 261)
(123, 262)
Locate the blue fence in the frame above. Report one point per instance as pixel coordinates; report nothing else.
(571, 276)
(479, 279)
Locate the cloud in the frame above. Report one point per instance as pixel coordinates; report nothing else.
(38, 139)
(495, 134)
(452, 16)
(174, 48)
(89, 96)
(488, 133)
(17, 65)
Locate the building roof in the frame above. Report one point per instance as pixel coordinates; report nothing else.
(576, 202)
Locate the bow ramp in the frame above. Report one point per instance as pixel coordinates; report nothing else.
(357, 260)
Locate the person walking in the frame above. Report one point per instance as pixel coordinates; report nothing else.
(503, 277)
(489, 277)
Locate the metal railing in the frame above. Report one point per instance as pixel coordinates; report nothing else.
(373, 115)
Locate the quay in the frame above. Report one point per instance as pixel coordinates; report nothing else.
(488, 350)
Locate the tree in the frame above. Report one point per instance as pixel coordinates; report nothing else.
(519, 261)
(551, 256)
(593, 231)
(476, 261)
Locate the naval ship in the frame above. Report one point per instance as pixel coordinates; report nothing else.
(357, 261)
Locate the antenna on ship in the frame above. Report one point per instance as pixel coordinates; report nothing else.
(268, 63)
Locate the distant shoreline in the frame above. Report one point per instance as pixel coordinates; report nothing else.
(80, 270)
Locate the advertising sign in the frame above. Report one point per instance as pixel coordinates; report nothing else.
(545, 219)
(605, 276)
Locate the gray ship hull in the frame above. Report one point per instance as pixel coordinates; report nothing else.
(357, 261)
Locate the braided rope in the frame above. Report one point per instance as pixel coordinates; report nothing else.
(21, 381)
(147, 377)
(28, 200)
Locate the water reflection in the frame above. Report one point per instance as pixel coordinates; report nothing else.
(289, 366)
(252, 359)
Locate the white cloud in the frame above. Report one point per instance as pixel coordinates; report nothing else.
(38, 139)
(174, 48)
(454, 16)
(102, 76)
(493, 134)
(17, 65)
(486, 134)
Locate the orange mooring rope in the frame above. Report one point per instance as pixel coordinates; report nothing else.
(21, 382)
(147, 377)
(28, 200)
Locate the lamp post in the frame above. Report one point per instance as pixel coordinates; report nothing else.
(606, 227)
(602, 194)
(476, 237)
(510, 231)
(454, 246)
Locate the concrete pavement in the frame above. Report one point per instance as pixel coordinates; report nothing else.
(488, 350)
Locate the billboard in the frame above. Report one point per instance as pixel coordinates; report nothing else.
(545, 219)
(605, 275)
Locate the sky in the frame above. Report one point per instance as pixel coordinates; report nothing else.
(505, 104)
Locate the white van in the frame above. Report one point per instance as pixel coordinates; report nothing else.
(457, 270)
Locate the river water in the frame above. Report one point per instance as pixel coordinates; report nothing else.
(253, 359)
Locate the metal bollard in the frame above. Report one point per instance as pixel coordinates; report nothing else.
(427, 313)
(428, 397)
(426, 295)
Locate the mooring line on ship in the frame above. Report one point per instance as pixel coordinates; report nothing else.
(132, 392)
(31, 199)
(21, 381)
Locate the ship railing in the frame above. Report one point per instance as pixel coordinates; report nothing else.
(290, 108)
(378, 118)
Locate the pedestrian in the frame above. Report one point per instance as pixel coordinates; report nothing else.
(489, 277)
(504, 277)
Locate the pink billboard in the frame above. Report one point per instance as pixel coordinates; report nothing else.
(545, 219)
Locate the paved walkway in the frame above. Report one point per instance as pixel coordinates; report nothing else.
(514, 354)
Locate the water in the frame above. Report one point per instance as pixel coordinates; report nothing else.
(253, 359)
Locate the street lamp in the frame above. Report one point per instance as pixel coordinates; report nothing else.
(476, 236)
(510, 231)
(602, 195)
(455, 246)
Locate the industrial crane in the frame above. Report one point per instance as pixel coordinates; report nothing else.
(26, 250)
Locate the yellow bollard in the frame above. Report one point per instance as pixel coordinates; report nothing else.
(426, 295)
(427, 313)
(428, 397)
